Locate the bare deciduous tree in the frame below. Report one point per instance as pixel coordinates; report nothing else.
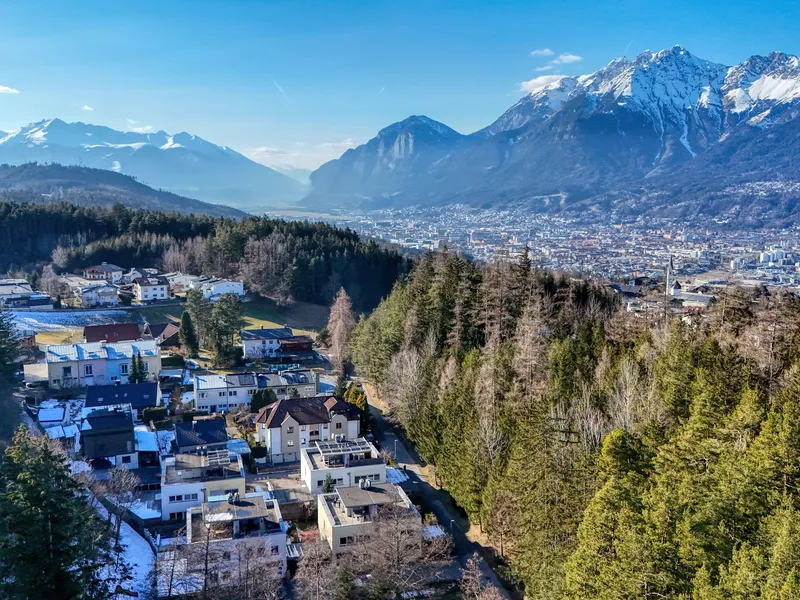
(341, 324)
(316, 573)
(471, 584)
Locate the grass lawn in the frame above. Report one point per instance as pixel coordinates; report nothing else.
(303, 317)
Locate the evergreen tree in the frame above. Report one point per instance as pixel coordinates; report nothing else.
(52, 544)
(261, 399)
(188, 336)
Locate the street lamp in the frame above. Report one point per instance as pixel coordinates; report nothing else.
(451, 526)
(395, 451)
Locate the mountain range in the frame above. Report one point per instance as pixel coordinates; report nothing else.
(182, 163)
(665, 134)
(85, 186)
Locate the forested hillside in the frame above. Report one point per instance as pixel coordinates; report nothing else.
(282, 259)
(605, 457)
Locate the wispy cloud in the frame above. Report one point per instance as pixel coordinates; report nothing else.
(87, 107)
(281, 90)
(8, 90)
(545, 68)
(131, 121)
(383, 89)
(304, 155)
(539, 83)
(143, 129)
(542, 52)
(566, 58)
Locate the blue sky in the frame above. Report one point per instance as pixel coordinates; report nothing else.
(299, 82)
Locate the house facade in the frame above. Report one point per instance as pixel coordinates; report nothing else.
(104, 271)
(262, 343)
(107, 438)
(98, 363)
(222, 393)
(188, 480)
(347, 462)
(151, 288)
(288, 426)
(97, 294)
(347, 516)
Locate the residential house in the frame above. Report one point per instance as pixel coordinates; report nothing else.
(107, 438)
(200, 435)
(223, 393)
(104, 271)
(138, 396)
(288, 426)
(228, 528)
(115, 332)
(347, 516)
(188, 480)
(166, 334)
(262, 343)
(180, 283)
(97, 363)
(91, 292)
(214, 287)
(138, 272)
(18, 294)
(346, 461)
(150, 289)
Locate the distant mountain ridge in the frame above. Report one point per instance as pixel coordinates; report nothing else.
(632, 130)
(98, 188)
(181, 163)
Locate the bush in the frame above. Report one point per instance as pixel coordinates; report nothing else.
(258, 451)
(164, 425)
(189, 415)
(156, 413)
(173, 362)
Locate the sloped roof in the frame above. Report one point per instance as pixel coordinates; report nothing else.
(306, 411)
(117, 332)
(138, 395)
(279, 333)
(201, 433)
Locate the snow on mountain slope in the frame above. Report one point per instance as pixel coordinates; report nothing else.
(182, 163)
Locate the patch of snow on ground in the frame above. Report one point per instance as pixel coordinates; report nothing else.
(395, 475)
(79, 466)
(143, 511)
(63, 321)
(138, 553)
(432, 531)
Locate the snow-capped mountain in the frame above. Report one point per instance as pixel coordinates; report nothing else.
(181, 163)
(624, 126)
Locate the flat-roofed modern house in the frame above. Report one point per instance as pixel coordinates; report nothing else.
(287, 426)
(188, 480)
(137, 396)
(98, 363)
(346, 461)
(244, 538)
(348, 515)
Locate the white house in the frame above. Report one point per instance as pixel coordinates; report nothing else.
(223, 393)
(346, 461)
(288, 426)
(346, 516)
(213, 287)
(188, 480)
(98, 294)
(104, 271)
(148, 289)
(260, 343)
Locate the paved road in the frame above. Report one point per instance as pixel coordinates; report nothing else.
(431, 498)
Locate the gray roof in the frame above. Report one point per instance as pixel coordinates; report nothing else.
(100, 350)
(280, 333)
(201, 433)
(376, 493)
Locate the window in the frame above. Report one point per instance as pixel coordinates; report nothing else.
(144, 364)
(344, 541)
(314, 432)
(324, 425)
(188, 497)
(126, 460)
(178, 498)
(67, 372)
(290, 443)
(114, 378)
(274, 550)
(123, 368)
(222, 394)
(175, 516)
(303, 427)
(87, 370)
(290, 430)
(320, 482)
(202, 394)
(339, 425)
(339, 481)
(234, 393)
(303, 441)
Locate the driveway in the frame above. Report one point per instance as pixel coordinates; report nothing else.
(431, 499)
